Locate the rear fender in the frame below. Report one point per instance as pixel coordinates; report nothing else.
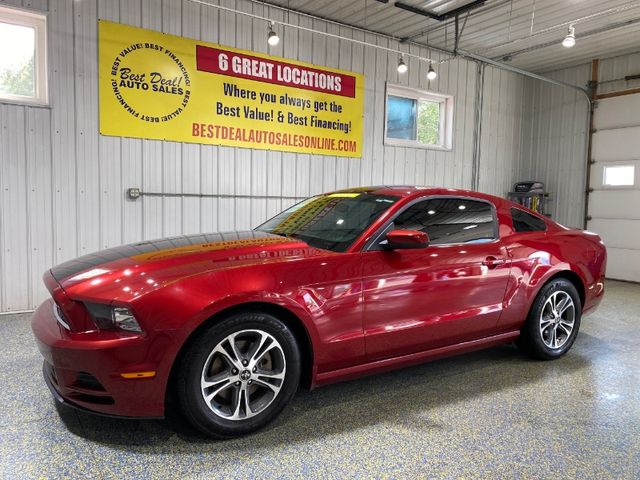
(528, 276)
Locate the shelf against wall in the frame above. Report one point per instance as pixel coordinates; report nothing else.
(536, 199)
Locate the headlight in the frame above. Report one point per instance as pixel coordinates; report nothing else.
(107, 317)
(124, 319)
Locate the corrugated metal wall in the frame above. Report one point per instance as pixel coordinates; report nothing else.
(63, 185)
(555, 132)
(555, 142)
(613, 70)
(501, 142)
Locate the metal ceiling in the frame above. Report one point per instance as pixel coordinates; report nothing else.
(527, 32)
(442, 7)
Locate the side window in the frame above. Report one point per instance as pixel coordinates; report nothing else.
(525, 222)
(450, 220)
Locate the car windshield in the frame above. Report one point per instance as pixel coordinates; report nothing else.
(331, 222)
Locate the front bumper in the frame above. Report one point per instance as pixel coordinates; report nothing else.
(50, 380)
(84, 369)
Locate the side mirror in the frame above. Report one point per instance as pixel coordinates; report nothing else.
(402, 239)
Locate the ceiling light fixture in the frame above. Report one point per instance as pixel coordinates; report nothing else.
(402, 67)
(272, 37)
(431, 73)
(570, 40)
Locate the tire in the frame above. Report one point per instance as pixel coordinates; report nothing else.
(545, 335)
(211, 367)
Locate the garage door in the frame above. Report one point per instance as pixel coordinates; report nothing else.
(614, 205)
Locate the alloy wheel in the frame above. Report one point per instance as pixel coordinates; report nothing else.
(557, 319)
(243, 374)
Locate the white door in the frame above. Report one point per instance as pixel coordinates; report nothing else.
(614, 204)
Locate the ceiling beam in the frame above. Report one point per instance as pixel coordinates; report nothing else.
(444, 16)
(480, 10)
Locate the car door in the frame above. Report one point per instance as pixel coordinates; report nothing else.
(450, 292)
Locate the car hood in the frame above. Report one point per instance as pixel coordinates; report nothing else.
(126, 272)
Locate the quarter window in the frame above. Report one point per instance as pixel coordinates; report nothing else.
(450, 220)
(23, 76)
(525, 222)
(416, 118)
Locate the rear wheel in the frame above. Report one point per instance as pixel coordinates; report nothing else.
(239, 375)
(553, 322)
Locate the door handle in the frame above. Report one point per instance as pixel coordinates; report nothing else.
(492, 262)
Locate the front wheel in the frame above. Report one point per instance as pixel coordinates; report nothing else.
(553, 322)
(239, 374)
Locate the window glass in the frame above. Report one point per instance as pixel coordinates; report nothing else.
(23, 57)
(525, 222)
(16, 63)
(619, 175)
(450, 220)
(401, 118)
(428, 122)
(331, 222)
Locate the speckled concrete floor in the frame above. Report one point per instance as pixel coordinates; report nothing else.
(491, 414)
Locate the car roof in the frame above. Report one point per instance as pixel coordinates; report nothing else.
(418, 191)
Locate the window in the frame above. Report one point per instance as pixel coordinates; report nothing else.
(23, 73)
(525, 222)
(415, 118)
(450, 220)
(619, 176)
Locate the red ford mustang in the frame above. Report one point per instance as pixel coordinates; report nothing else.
(340, 285)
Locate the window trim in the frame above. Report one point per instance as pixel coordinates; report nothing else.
(38, 21)
(375, 238)
(446, 117)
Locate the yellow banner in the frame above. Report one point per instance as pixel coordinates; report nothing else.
(159, 86)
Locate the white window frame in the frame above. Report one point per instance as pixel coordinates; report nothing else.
(446, 117)
(37, 21)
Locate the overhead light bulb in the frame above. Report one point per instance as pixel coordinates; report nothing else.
(402, 67)
(272, 37)
(570, 40)
(431, 73)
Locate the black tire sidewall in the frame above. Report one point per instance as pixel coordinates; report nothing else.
(189, 391)
(531, 335)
